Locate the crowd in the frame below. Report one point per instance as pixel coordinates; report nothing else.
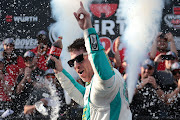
(26, 83)
(157, 91)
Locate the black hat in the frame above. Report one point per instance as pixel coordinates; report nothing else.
(42, 32)
(147, 63)
(29, 54)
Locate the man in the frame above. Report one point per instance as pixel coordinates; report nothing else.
(42, 99)
(42, 50)
(27, 80)
(160, 46)
(146, 100)
(165, 77)
(104, 97)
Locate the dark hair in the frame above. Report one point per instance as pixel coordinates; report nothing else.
(78, 44)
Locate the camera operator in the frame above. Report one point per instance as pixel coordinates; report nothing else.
(160, 46)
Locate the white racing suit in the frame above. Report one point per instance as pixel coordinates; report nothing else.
(105, 98)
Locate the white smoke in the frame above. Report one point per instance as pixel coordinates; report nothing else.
(67, 26)
(142, 18)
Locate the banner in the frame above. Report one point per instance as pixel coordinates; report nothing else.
(22, 20)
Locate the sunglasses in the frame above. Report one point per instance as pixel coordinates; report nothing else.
(50, 76)
(28, 59)
(78, 59)
(174, 72)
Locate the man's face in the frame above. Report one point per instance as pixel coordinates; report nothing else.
(147, 71)
(8, 48)
(28, 61)
(168, 63)
(162, 44)
(84, 68)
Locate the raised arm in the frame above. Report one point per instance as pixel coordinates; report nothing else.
(96, 54)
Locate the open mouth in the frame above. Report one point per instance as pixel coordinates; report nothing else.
(81, 72)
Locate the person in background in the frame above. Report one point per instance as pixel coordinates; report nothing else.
(146, 101)
(104, 96)
(119, 56)
(42, 50)
(165, 77)
(43, 96)
(27, 81)
(160, 46)
(13, 63)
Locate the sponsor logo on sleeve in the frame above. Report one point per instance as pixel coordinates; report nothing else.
(94, 43)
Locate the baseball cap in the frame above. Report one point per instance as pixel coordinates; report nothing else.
(41, 32)
(175, 66)
(148, 62)
(8, 41)
(49, 71)
(172, 54)
(29, 54)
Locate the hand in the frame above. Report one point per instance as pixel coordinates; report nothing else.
(158, 58)
(152, 81)
(27, 72)
(179, 83)
(169, 37)
(143, 83)
(117, 43)
(29, 109)
(84, 22)
(58, 64)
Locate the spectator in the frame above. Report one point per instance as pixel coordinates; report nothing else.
(44, 97)
(13, 63)
(27, 80)
(160, 45)
(119, 56)
(104, 96)
(42, 50)
(173, 95)
(165, 78)
(146, 100)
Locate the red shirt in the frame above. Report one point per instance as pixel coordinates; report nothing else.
(3, 96)
(41, 63)
(161, 65)
(122, 54)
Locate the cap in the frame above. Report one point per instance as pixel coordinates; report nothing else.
(41, 32)
(8, 41)
(172, 54)
(49, 71)
(29, 54)
(175, 66)
(148, 62)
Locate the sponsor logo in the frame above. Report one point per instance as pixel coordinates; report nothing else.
(106, 9)
(25, 43)
(10, 18)
(94, 43)
(173, 20)
(176, 10)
